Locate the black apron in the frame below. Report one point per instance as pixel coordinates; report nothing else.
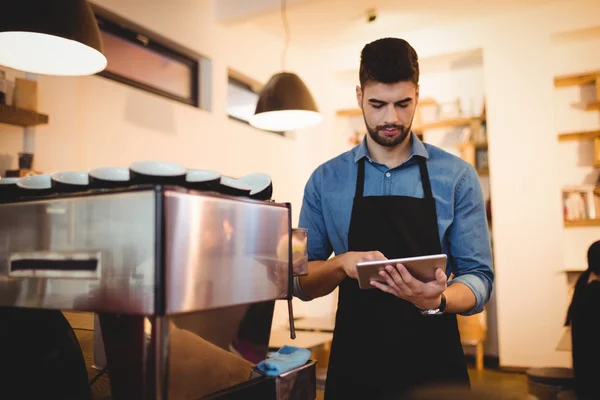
(382, 345)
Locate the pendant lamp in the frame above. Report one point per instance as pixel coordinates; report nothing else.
(285, 103)
(50, 37)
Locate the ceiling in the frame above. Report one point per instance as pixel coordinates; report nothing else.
(321, 24)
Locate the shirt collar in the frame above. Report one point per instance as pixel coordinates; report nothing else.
(418, 149)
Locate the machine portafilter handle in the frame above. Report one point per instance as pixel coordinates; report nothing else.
(291, 289)
(291, 315)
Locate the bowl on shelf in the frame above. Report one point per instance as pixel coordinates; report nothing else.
(35, 185)
(202, 179)
(260, 184)
(69, 181)
(157, 172)
(109, 177)
(233, 187)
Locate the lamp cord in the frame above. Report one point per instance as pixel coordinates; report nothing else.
(287, 33)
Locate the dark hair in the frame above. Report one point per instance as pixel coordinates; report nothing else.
(593, 257)
(388, 60)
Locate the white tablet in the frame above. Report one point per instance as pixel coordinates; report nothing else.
(422, 268)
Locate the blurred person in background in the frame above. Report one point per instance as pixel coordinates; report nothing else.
(584, 318)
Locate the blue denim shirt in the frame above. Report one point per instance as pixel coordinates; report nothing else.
(461, 215)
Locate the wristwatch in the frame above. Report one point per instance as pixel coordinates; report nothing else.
(436, 311)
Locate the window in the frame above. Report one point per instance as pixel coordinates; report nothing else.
(242, 96)
(241, 100)
(147, 61)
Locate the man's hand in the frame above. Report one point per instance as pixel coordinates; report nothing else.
(402, 284)
(350, 259)
(325, 276)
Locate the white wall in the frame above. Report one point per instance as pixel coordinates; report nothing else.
(526, 204)
(97, 122)
(467, 84)
(519, 63)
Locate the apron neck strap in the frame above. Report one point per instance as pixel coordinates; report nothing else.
(360, 178)
(425, 178)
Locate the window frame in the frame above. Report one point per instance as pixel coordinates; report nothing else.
(116, 25)
(245, 85)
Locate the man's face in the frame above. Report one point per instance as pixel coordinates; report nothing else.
(388, 110)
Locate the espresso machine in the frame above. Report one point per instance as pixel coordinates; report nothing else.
(183, 284)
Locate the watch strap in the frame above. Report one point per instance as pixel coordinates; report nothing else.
(439, 310)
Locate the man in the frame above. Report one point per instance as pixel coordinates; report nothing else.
(393, 197)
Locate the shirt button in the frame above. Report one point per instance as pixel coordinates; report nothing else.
(388, 174)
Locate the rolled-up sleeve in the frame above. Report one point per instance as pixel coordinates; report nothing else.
(312, 219)
(469, 241)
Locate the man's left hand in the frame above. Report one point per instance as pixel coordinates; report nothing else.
(402, 284)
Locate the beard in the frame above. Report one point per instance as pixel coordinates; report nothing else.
(385, 140)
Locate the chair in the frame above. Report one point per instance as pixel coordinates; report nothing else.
(473, 332)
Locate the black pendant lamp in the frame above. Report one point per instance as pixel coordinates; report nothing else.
(50, 37)
(285, 103)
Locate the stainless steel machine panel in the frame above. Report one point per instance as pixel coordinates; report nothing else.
(183, 284)
(224, 252)
(154, 251)
(91, 253)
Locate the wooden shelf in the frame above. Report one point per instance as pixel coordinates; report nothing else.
(582, 223)
(357, 112)
(573, 270)
(585, 78)
(17, 116)
(582, 135)
(19, 173)
(483, 171)
(449, 123)
(349, 112)
(475, 145)
(589, 106)
(445, 123)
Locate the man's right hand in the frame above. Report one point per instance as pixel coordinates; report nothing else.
(324, 276)
(349, 260)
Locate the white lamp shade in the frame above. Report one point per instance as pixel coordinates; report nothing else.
(285, 120)
(40, 53)
(50, 37)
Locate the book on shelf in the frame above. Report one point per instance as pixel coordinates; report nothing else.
(581, 203)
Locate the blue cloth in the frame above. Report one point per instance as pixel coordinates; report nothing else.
(285, 359)
(462, 222)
